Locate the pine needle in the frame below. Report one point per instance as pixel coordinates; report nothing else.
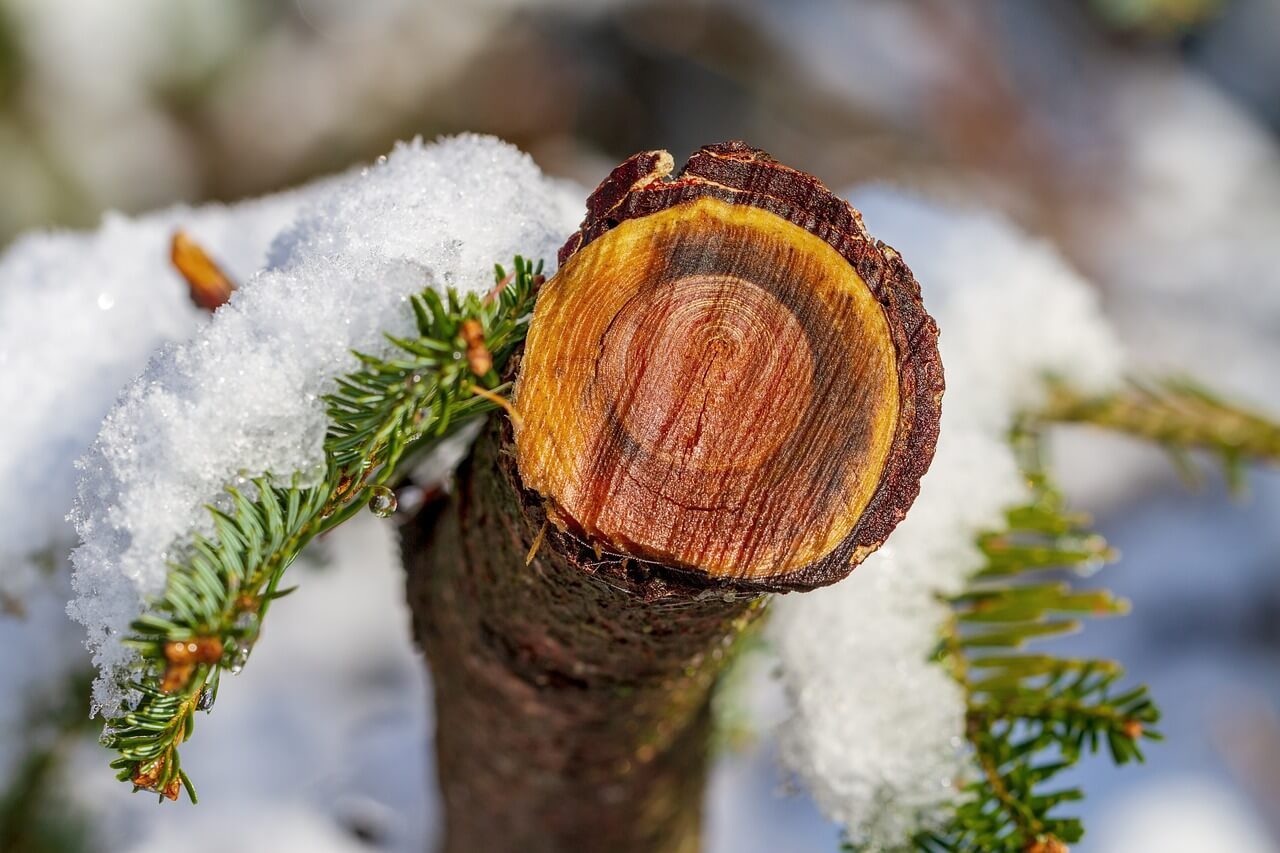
(537, 543)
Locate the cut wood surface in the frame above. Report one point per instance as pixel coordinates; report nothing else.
(728, 377)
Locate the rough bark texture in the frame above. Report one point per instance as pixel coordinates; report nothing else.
(572, 708)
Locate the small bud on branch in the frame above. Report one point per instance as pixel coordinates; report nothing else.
(210, 287)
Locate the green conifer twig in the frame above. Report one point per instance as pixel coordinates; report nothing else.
(220, 588)
(1030, 716)
(1179, 415)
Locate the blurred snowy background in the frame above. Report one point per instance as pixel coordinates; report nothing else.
(1138, 136)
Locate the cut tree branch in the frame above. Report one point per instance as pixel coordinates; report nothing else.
(728, 388)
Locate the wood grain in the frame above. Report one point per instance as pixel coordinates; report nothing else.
(727, 377)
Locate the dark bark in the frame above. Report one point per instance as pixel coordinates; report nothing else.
(572, 693)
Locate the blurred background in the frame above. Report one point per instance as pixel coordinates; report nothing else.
(1137, 136)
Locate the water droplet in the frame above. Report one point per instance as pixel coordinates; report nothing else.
(240, 658)
(106, 301)
(382, 501)
(205, 702)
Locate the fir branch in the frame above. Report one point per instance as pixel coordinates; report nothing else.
(1031, 716)
(1179, 415)
(219, 589)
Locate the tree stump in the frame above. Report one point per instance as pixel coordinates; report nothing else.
(727, 389)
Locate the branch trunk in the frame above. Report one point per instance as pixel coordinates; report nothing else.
(572, 694)
(727, 388)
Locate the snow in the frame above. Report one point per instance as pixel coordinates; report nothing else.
(79, 314)
(876, 730)
(243, 397)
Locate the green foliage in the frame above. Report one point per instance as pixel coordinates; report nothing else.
(219, 589)
(1180, 416)
(1031, 716)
